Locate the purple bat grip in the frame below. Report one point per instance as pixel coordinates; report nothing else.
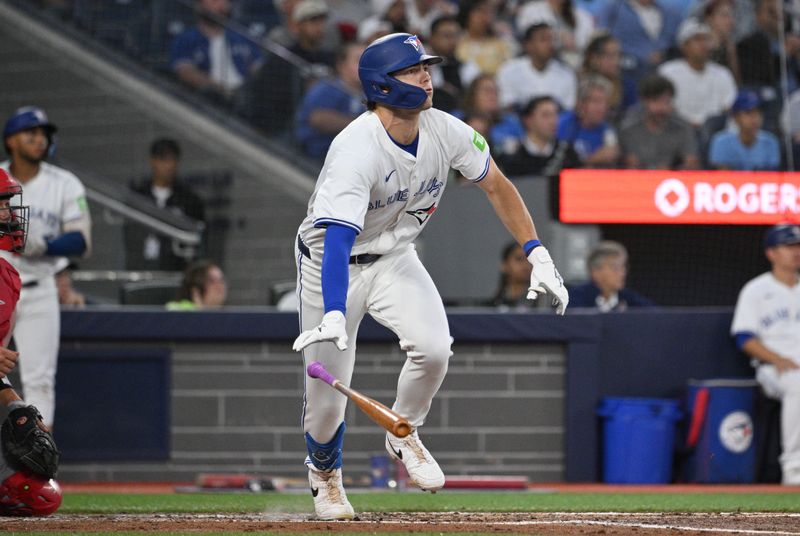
(317, 370)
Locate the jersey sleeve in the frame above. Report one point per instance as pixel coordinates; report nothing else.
(471, 154)
(343, 195)
(74, 207)
(745, 316)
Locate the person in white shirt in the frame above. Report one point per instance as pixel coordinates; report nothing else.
(536, 72)
(702, 88)
(766, 325)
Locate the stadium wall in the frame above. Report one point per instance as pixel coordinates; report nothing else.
(150, 395)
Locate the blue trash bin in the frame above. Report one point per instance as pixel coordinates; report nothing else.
(720, 431)
(638, 439)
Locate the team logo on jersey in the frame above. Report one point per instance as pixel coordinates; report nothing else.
(422, 214)
(414, 42)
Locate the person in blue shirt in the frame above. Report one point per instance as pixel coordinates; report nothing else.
(605, 291)
(331, 104)
(212, 58)
(749, 148)
(587, 129)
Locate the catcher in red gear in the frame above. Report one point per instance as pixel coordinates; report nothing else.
(29, 457)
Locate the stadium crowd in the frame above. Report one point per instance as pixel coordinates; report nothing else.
(625, 75)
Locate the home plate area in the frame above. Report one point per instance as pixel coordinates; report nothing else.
(462, 522)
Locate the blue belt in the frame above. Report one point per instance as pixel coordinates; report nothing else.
(364, 258)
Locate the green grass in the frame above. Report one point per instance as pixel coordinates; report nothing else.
(86, 503)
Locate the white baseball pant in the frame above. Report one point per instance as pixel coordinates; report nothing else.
(397, 291)
(36, 334)
(786, 388)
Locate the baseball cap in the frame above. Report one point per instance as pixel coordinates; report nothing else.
(781, 235)
(309, 9)
(745, 100)
(690, 28)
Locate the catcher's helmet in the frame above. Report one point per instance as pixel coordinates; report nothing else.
(386, 56)
(26, 118)
(24, 494)
(14, 225)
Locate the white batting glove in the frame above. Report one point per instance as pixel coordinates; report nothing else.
(545, 278)
(333, 328)
(35, 246)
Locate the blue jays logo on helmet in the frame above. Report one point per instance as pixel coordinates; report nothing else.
(386, 56)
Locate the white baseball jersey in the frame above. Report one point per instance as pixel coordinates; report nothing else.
(56, 197)
(379, 190)
(770, 310)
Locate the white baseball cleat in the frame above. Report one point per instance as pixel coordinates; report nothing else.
(330, 500)
(423, 471)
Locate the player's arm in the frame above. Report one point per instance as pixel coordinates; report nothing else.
(511, 210)
(339, 241)
(752, 346)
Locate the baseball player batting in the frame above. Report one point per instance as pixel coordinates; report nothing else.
(382, 180)
(59, 227)
(29, 457)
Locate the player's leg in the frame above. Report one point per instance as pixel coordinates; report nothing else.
(404, 299)
(36, 334)
(785, 387)
(323, 407)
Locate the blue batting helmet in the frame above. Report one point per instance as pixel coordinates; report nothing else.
(386, 56)
(26, 118)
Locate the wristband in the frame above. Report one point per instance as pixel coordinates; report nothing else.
(530, 245)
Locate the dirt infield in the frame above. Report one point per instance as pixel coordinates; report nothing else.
(638, 524)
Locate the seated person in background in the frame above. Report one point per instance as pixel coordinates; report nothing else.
(515, 278)
(656, 138)
(608, 268)
(203, 287)
(750, 148)
(603, 58)
(211, 58)
(703, 88)
(539, 152)
(587, 128)
(481, 99)
(766, 324)
(331, 104)
(450, 77)
(145, 250)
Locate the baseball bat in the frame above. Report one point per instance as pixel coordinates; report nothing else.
(376, 411)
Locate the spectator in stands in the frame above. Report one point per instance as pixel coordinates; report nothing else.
(391, 11)
(203, 287)
(703, 88)
(212, 58)
(331, 104)
(481, 99)
(602, 58)
(540, 152)
(286, 33)
(281, 83)
(536, 72)
(480, 42)
(587, 128)
(766, 325)
(645, 29)
(608, 269)
(760, 60)
(655, 138)
(718, 15)
(572, 25)
(743, 14)
(145, 250)
(790, 124)
(421, 15)
(748, 148)
(450, 77)
(515, 278)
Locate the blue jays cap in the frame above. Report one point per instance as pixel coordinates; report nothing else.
(746, 100)
(781, 235)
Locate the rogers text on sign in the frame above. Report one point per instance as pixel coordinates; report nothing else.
(750, 198)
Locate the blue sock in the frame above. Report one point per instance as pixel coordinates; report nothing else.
(329, 455)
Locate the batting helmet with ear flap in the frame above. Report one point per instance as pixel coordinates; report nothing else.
(384, 57)
(26, 118)
(14, 217)
(24, 494)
